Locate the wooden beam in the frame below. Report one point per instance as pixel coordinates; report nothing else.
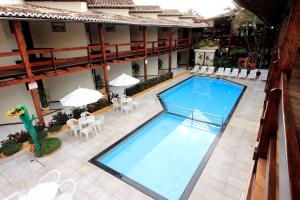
(269, 125)
(170, 49)
(189, 48)
(25, 59)
(145, 51)
(101, 29)
(291, 40)
(270, 179)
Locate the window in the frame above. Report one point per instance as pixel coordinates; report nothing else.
(110, 28)
(58, 27)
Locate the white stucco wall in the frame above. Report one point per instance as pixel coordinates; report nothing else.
(11, 1)
(73, 6)
(75, 36)
(116, 11)
(7, 44)
(12, 96)
(60, 86)
(121, 35)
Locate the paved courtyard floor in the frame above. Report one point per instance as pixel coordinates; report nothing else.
(224, 177)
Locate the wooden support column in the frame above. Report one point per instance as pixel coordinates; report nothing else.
(105, 73)
(170, 49)
(291, 40)
(189, 48)
(25, 59)
(145, 51)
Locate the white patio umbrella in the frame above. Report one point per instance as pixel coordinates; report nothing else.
(81, 97)
(124, 80)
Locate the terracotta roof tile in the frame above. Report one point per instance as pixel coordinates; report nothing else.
(34, 12)
(110, 3)
(171, 12)
(146, 9)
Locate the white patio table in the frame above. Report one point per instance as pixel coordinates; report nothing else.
(44, 191)
(88, 120)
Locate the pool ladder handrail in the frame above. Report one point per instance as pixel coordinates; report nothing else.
(196, 111)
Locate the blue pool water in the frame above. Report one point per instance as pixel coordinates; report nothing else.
(164, 154)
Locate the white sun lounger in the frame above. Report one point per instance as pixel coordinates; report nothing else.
(195, 69)
(227, 72)
(220, 71)
(234, 73)
(202, 70)
(252, 74)
(243, 73)
(264, 75)
(210, 70)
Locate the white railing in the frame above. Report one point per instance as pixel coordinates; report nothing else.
(197, 115)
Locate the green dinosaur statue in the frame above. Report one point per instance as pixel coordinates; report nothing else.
(23, 114)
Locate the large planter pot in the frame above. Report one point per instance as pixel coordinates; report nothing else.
(46, 110)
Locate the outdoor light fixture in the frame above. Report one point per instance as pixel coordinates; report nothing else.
(108, 67)
(146, 61)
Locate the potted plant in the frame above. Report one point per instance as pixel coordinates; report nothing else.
(135, 69)
(45, 98)
(160, 64)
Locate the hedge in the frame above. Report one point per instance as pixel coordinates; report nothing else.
(11, 148)
(141, 86)
(48, 145)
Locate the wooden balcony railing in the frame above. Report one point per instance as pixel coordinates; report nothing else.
(50, 62)
(278, 148)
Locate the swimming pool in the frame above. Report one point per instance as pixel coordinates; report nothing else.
(164, 157)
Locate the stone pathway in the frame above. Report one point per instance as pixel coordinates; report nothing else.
(224, 177)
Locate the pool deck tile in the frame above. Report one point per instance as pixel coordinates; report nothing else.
(225, 176)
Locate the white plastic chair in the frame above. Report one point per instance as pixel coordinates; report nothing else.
(202, 70)
(67, 190)
(234, 73)
(227, 72)
(86, 128)
(195, 69)
(220, 71)
(116, 104)
(264, 75)
(210, 70)
(13, 196)
(252, 74)
(51, 176)
(74, 126)
(85, 114)
(99, 122)
(243, 73)
(127, 107)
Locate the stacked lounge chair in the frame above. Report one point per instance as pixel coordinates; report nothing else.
(202, 70)
(227, 72)
(210, 71)
(234, 73)
(195, 69)
(220, 71)
(243, 73)
(252, 74)
(264, 75)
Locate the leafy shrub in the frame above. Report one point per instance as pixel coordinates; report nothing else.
(11, 148)
(239, 52)
(39, 127)
(48, 145)
(147, 84)
(60, 118)
(53, 126)
(160, 63)
(77, 111)
(18, 137)
(206, 43)
(97, 106)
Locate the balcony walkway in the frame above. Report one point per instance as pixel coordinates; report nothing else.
(224, 177)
